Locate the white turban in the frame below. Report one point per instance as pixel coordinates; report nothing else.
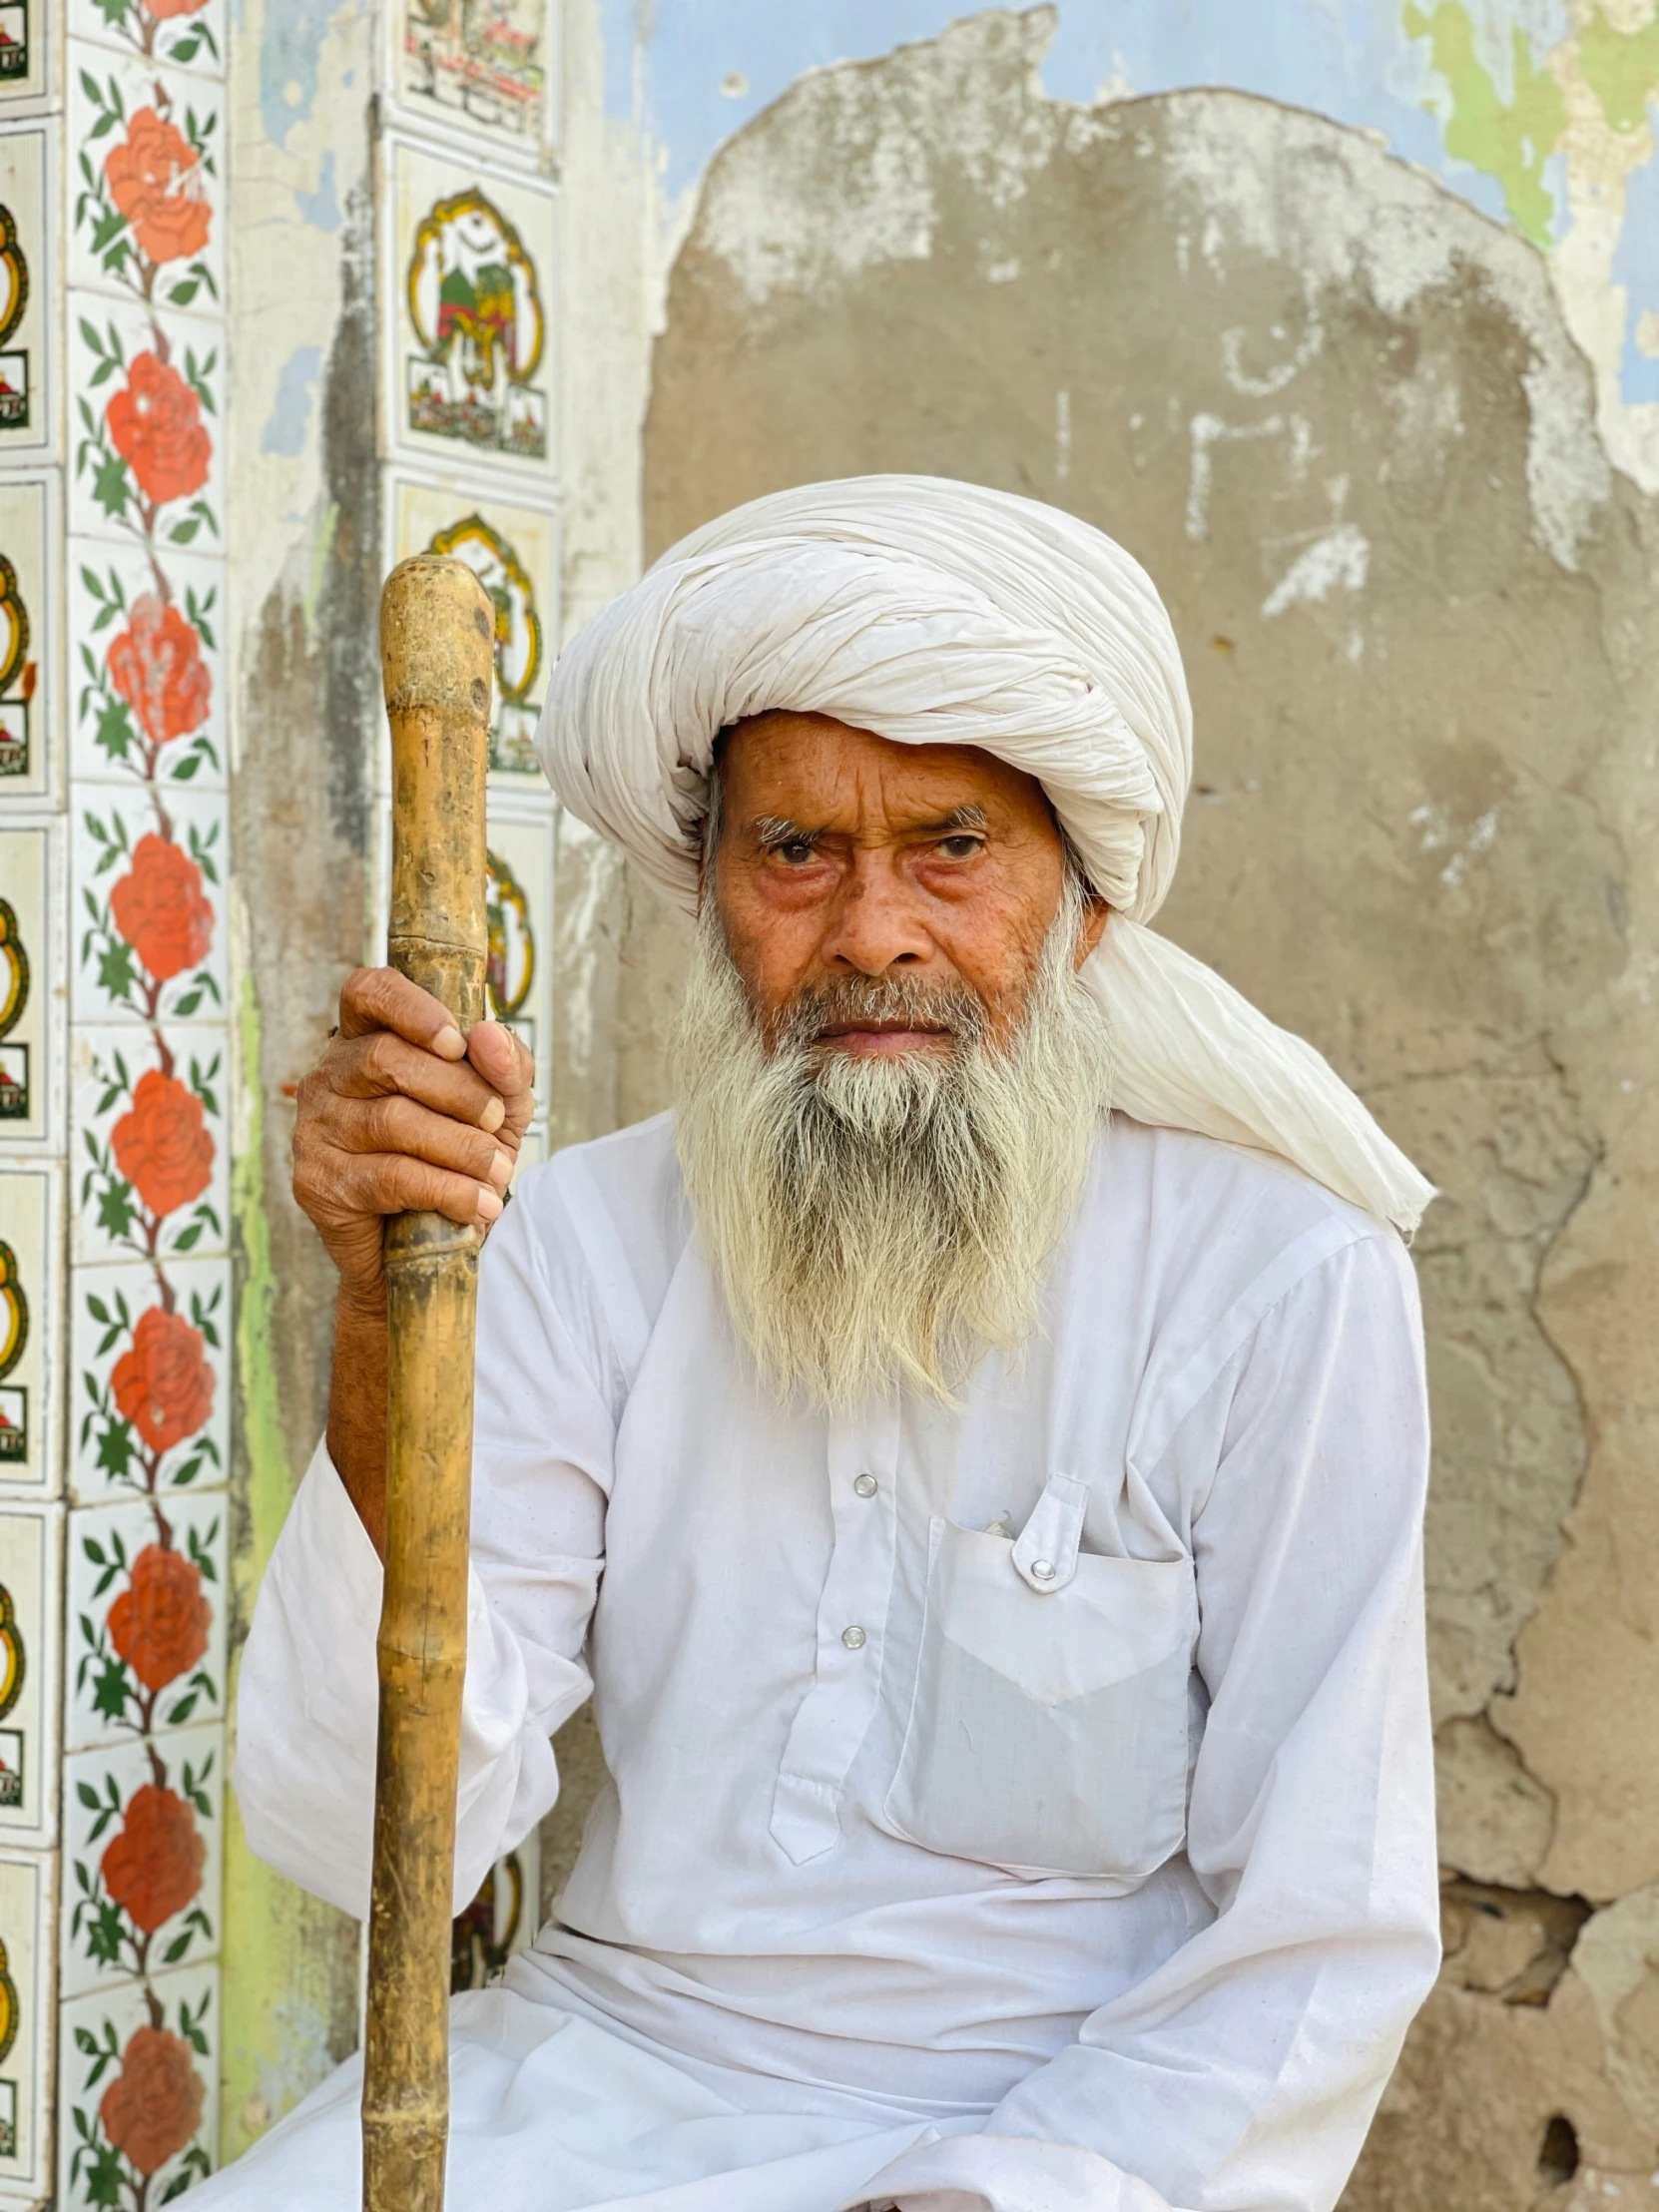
(932, 612)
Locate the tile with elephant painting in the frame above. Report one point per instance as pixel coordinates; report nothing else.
(148, 1150)
(27, 1932)
(150, 1384)
(29, 163)
(147, 219)
(512, 547)
(31, 1643)
(142, 1858)
(145, 1645)
(146, 903)
(146, 468)
(32, 908)
(146, 681)
(183, 34)
(31, 643)
(32, 1279)
(468, 315)
(138, 2073)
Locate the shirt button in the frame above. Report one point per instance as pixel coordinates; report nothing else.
(1042, 1570)
(854, 1638)
(864, 1485)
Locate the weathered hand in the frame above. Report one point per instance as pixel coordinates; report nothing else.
(402, 1114)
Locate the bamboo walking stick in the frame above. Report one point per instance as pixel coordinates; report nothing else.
(436, 639)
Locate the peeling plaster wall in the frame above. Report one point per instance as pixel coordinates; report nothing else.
(1346, 417)
(305, 568)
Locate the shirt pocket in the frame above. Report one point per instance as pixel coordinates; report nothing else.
(1047, 1731)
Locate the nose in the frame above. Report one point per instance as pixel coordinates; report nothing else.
(877, 921)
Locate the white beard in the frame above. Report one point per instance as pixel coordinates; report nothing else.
(883, 1220)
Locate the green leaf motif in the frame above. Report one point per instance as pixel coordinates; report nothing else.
(110, 486)
(110, 1690)
(117, 969)
(116, 1210)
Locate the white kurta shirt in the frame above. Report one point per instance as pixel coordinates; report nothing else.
(1049, 1780)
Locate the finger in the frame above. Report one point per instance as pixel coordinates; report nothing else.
(398, 1184)
(399, 1124)
(505, 1061)
(380, 998)
(381, 1063)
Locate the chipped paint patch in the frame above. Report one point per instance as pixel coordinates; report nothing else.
(1339, 560)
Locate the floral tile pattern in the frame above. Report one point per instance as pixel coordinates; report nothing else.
(146, 217)
(31, 1544)
(138, 2119)
(146, 677)
(146, 903)
(143, 1824)
(149, 1143)
(29, 677)
(27, 1907)
(145, 1651)
(182, 33)
(520, 894)
(150, 1404)
(147, 399)
(31, 1326)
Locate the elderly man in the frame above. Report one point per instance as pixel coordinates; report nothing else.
(972, 1453)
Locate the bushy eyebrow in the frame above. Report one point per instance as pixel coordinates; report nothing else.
(773, 831)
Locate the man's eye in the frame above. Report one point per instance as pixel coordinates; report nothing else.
(960, 849)
(796, 850)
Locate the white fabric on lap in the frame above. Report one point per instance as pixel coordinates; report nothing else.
(932, 612)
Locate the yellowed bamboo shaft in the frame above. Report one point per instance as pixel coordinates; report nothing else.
(436, 640)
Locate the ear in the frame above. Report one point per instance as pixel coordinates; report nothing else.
(1096, 914)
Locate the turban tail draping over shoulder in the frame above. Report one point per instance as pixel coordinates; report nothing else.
(940, 613)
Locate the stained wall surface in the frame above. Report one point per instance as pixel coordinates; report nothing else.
(1349, 349)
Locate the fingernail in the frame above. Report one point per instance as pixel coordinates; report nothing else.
(449, 1044)
(489, 1206)
(493, 1115)
(501, 1168)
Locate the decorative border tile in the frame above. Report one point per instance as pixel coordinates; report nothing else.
(28, 285)
(31, 1644)
(146, 903)
(150, 1406)
(147, 675)
(27, 1921)
(30, 656)
(502, 1918)
(147, 193)
(31, 1328)
(147, 399)
(149, 1145)
(146, 1643)
(30, 31)
(182, 33)
(141, 1859)
(514, 546)
(520, 911)
(486, 79)
(467, 275)
(138, 2090)
(31, 996)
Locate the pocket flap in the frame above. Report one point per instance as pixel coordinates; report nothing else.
(1113, 1619)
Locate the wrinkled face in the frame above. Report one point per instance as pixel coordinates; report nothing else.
(843, 856)
(888, 1075)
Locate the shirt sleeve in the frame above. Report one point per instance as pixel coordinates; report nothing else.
(1242, 2075)
(543, 1434)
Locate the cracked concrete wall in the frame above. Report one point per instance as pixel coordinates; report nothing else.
(1340, 417)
